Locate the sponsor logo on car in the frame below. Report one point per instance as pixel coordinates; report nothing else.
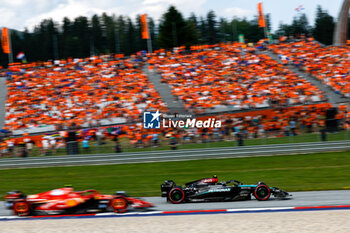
(219, 190)
(211, 180)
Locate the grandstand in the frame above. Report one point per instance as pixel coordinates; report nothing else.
(330, 65)
(222, 79)
(214, 80)
(85, 93)
(261, 89)
(332, 96)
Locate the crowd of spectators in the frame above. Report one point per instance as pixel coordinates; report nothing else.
(76, 92)
(82, 92)
(262, 124)
(329, 64)
(232, 76)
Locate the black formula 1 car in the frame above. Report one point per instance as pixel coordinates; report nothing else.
(211, 190)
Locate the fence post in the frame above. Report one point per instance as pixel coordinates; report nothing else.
(346, 132)
(266, 135)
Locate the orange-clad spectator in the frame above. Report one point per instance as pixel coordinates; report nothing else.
(3, 149)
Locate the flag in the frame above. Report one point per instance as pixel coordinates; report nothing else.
(300, 8)
(144, 27)
(261, 19)
(5, 40)
(20, 56)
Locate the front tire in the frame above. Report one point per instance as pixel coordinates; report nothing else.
(176, 195)
(119, 205)
(262, 192)
(22, 208)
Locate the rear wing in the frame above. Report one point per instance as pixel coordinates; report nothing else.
(166, 187)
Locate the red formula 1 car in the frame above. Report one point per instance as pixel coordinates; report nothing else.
(67, 201)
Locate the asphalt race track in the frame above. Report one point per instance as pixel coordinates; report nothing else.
(299, 199)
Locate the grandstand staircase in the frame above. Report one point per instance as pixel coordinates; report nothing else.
(174, 105)
(3, 96)
(333, 97)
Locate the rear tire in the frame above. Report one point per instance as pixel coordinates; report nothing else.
(119, 205)
(22, 208)
(262, 192)
(176, 195)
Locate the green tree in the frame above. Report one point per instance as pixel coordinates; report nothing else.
(140, 44)
(108, 32)
(121, 29)
(43, 40)
(130, 37)
(172, 29)
(97, 35)
(224, 30)
(17, 43)
(28, 49)
(324, 27)
(192, 34)
(203, 39)
(268, 22)
(284, 30)
(153, 35)
(211, 28)
(233, 29)
(82, 40)
(66, 38)
(300, 25)
(253, 32)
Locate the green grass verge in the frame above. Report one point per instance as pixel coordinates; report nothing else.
(319, 171)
